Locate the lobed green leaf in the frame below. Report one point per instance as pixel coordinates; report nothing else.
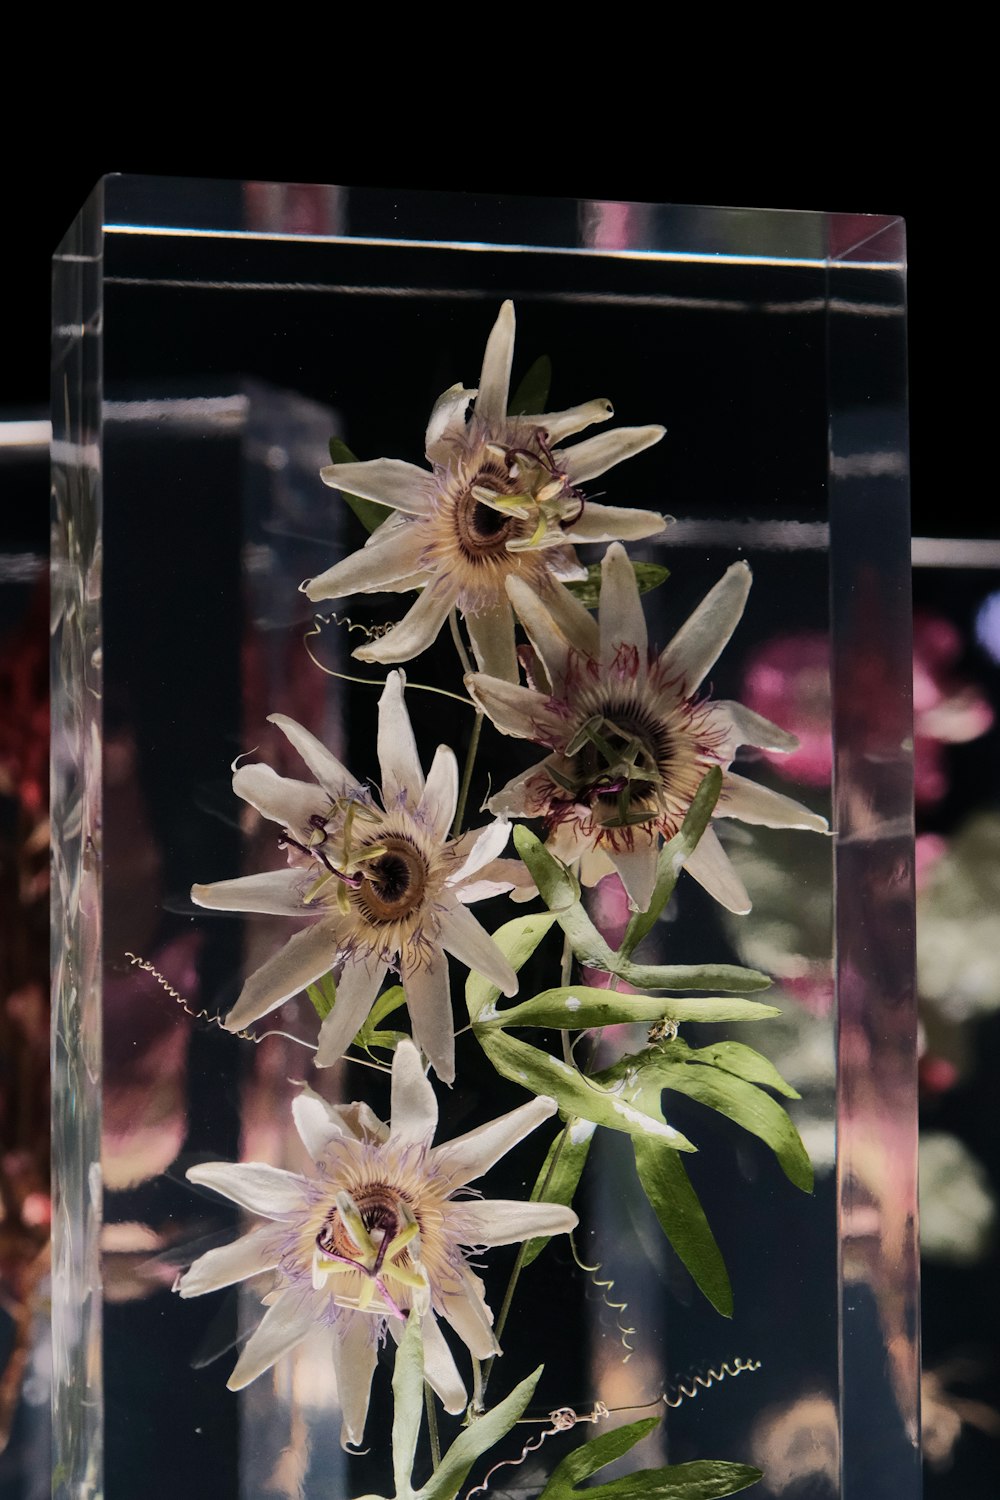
(743, 1103)
(704, 1479)
(579, 1007)
(541, 1073)
(742, 1061)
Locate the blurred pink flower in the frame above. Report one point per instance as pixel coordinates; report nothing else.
(789, 677)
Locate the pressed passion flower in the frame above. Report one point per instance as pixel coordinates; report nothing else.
(502, 500)
(630, 738)
(383, 885)
(373, 1235)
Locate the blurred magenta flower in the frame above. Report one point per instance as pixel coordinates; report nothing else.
(789, 677)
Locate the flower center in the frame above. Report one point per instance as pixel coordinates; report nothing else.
(483, 531)
(394, 885)
(621, 756)
(381, 1214)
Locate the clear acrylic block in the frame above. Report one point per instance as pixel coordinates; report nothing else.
(209, 339)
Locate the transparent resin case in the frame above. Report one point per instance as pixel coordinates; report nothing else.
(210, 338)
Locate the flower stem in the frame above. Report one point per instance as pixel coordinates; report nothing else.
(565, 974)
(456, 636)
(508, 1295)
(432, 1426)
(470, 761)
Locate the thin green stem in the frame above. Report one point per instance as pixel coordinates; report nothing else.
(515, 1274)
(470, 761)
(432, 1426)
(565, 975)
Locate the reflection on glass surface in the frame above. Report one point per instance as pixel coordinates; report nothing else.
(232, 352)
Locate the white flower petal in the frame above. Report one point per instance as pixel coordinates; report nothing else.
(471, 1155)
(710, 866)
(621, 618)
(558, 627)
(516, 710)
(428, 999)
(290, 803)
(447, 422)
(470, 1317)
(258, 1251)
(269, 1191)
(277, 892)
(284, 1325)
(387, 481)
(563, 424)
(355, 1354)
(637, 868)
(440, 1369)
(440, 795)
(492, 633)
(359, 982)
(486, 844)
(500, 1221)
(514, 800)
(752, 803)
(609, 523)
(462, 935)
(414, 1111)
(416, 630)
(748, 728)
(310, 954)
(402, 776)
(317, 1123)
(494, 382)
(596, 455)
(360, 1121)
(696, 647)
(334, 778)
(370, 569)
(500, 877)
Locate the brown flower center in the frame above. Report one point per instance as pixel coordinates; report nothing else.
(395, 884)
(381, 1213)
(482, 531)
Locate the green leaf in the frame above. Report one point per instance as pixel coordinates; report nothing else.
(682, 1219)
(673, 856)
(323, 994)
(475, 1440)
(369, 512)
(558, 1184)
(579, 1007)
(532, 395)
(588, 590)
(739, 1101)
(560, 891)
(744, 1062)
(541, 1073)
(705, 1479)
(691, 977)
(389, 1000)
(517, 941)
(590, 1457)
(408, 1402)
